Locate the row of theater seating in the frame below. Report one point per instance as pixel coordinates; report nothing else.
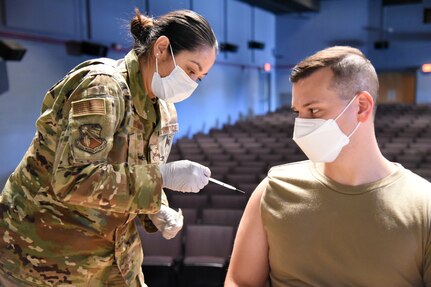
(241, 155)
(197, 256)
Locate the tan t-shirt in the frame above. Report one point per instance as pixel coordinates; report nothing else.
(322, 233)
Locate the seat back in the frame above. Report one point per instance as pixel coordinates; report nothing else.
(155, 245)
(226, 217)
(209, 240)
(228, 201)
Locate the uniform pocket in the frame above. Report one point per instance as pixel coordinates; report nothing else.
(160, 145)
(136, 153)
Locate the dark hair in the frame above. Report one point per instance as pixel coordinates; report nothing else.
(352, 71)
(186, 30)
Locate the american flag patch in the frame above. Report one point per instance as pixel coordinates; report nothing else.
(88, 107)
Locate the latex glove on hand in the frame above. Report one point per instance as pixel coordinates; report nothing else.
(168, 221)
(184, 175)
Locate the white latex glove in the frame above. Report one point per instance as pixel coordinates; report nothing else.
(184, 175)
(168, 221)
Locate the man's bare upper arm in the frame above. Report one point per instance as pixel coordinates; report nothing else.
(249, 263)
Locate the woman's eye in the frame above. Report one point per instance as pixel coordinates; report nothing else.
(193, 73)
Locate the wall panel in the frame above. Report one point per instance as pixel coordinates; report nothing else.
(158, 7)
(264, 31)
(110, 20)
(213, 12)
(64, 18)
(238, 31)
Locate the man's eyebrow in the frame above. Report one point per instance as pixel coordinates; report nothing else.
(310, 103)
(307, 104)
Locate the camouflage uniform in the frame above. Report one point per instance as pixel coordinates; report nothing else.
(67, 212)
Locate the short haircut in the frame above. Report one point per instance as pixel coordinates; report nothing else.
(352, 71)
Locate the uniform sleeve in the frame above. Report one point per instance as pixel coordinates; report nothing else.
(145, 219)
(83, 174)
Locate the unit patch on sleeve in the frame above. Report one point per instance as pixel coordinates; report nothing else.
(90, 140)
(88, 107)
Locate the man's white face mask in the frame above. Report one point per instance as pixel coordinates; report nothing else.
(175, 87)
(321, 140)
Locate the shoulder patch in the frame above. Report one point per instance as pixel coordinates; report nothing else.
(90, 139)
(88, 107)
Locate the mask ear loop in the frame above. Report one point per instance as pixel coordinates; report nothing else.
(173, 58)
(348, 105)
(172, 53)
(354, 130)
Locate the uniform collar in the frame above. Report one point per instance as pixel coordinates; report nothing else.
(143, 104)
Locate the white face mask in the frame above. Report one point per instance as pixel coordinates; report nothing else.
(175, 87)
(321, 140)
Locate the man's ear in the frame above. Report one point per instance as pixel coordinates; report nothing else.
(366, 106)
(161, 47)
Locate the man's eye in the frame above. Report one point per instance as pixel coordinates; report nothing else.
(314, 111)
(294, 112)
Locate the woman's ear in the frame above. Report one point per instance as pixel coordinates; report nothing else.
(366, 106)
(160, 47)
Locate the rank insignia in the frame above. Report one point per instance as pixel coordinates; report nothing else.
(90, 138)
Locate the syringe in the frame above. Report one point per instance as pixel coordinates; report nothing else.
(225, 184)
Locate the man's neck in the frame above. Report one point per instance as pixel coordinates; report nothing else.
(356, 166)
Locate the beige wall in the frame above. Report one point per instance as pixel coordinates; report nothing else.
(397, 87)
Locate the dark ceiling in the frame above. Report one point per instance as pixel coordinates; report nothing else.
(295, 6)
(400, 2)
(285, 6)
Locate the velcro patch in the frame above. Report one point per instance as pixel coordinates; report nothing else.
(90, 138)
(88, 107)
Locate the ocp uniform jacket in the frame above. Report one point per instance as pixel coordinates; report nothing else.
(66, 213)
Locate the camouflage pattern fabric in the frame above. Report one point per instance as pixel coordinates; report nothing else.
(67, 211)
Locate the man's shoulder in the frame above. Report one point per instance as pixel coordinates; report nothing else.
(289, 168)
(410, 176)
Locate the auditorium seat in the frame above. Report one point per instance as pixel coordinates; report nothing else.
(161, 258)
(206, 255)
(191, 216)
(248, 188)
(245, 156)
(228, 201)
(220, 156)
(187, 200)
(253, 170)
(219, 171)
(226, 217)
(213, 188)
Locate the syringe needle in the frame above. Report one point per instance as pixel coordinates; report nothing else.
(225, 184)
